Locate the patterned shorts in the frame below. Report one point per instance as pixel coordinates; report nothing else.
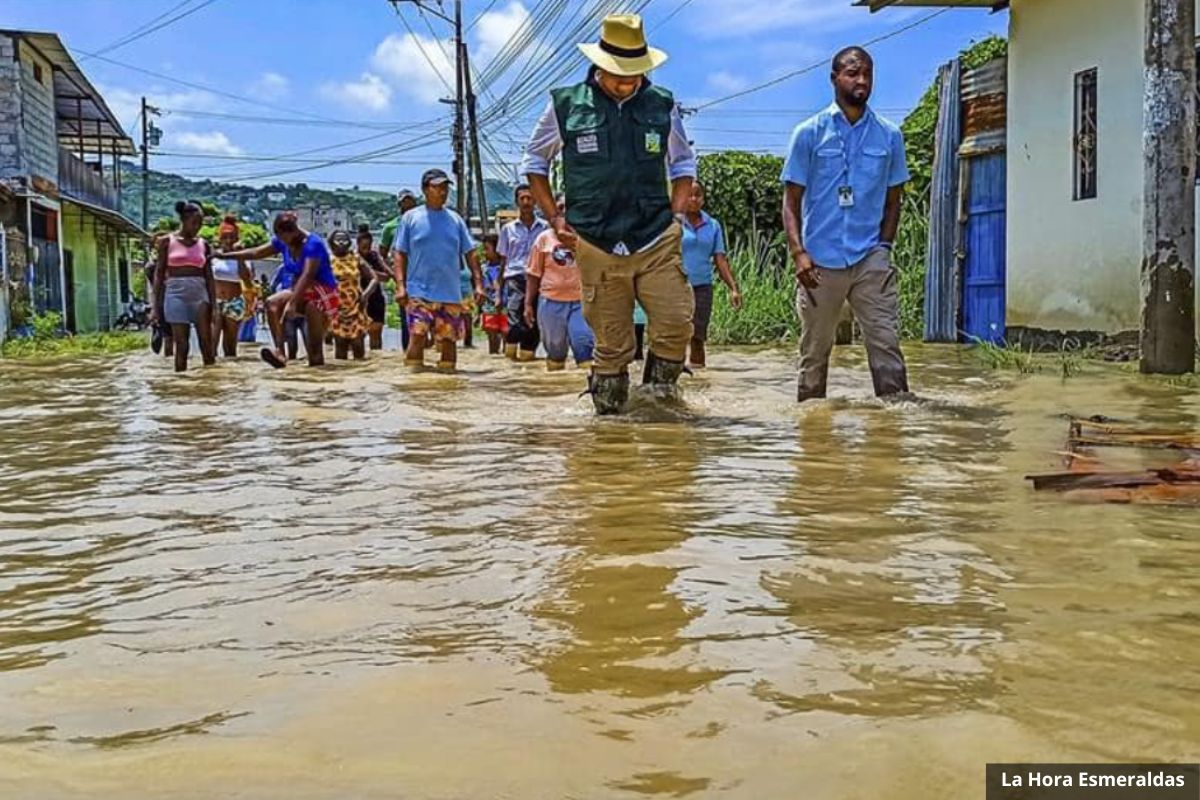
(325, 298)
(234, 308)
(447, 321)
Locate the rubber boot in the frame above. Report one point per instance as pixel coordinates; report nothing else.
(585, 365)
(555, 366)
(525, 356)
(662, 376)
(510, 352)
(609, 393)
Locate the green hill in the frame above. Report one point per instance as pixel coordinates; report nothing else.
(255, 204)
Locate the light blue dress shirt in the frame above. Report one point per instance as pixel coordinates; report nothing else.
(828, 153)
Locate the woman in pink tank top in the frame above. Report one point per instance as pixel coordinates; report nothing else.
(185, 291)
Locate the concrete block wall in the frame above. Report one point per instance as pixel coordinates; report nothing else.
(10, 110)
(39, 144)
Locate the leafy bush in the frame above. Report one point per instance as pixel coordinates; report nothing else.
(744, 193)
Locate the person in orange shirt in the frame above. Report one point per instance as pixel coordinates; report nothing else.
(553, 283)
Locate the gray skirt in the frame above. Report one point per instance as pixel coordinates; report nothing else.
(184, 298)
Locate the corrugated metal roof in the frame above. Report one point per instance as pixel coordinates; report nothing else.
(75, 99)
(991, 78)
(876, 5)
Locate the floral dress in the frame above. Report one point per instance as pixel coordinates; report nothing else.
(351, 321)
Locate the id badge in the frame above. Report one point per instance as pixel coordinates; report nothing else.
(846, 196)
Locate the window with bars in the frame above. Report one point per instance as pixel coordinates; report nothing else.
(1086, 134)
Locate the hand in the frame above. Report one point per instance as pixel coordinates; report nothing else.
(566, 234)
(806, 270)
(155, 316)
(401, 296)
(481, 298)
(529, 316)
(735, 299)
(290, 309)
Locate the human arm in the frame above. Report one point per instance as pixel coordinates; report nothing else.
(372, 277)
(681, 164)
(533, 283)
(210, 280)
(544, 146)
(251, 253)
(476, 278)
(795, 180)
(400, 270)
(723, 268)
(891, 216)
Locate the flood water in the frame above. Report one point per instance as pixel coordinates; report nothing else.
(364, 583)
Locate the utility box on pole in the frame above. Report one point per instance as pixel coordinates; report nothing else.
(1168, 333)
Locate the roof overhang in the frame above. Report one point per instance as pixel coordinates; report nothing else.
(83, 120)
(114, 218)
(878, 5)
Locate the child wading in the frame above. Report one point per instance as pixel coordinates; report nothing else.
(313, 295)
(494, 318)
(552, 282)
(431, 241)
(376, 300)
(185, 294)
(351, 324)
(235, 285)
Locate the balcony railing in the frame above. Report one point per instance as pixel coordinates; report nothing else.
(81, 181)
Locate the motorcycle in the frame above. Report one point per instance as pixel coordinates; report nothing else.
(135, 317)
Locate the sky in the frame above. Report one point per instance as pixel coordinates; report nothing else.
(348, 93)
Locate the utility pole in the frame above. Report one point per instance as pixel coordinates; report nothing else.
(1169, 212)
(460, 166)
(145, 167)
(480, 186)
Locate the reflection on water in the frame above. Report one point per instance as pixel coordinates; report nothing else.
(360, 582)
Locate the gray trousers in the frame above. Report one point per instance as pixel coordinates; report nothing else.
(870, 287)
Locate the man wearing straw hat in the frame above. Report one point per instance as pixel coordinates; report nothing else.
(627, 174)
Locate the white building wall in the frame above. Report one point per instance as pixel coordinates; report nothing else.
(1074, 265)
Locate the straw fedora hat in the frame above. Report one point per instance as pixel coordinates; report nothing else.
(622, 48)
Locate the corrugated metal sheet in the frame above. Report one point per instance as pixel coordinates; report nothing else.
(985, 243)
(985, 108)
(941, 260)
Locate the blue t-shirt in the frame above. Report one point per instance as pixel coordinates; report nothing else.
(827, 153)
(435, 243)
(314, 247)
(700, 245)
(465, 284)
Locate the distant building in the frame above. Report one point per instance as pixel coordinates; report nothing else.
(277, 198)
(69, 240)
(324, 219)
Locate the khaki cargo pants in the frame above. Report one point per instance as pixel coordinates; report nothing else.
(870, 287)
(656, 279)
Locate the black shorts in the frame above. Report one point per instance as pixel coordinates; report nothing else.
(377, 307)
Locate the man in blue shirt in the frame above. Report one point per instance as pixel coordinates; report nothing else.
(844, 180)
(431, 242)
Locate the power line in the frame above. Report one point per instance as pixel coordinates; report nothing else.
(145, 31)
(671, 16)
(817, 65)
(479, 16)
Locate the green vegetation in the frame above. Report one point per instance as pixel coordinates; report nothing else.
(745, 194)
(48, 341)
(254, 203)
(1068, 362)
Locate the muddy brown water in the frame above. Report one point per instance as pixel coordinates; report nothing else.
(363, 583)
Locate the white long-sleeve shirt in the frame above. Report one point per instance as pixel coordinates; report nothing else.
(546, 143)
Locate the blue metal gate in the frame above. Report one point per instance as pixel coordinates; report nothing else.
(985, 249)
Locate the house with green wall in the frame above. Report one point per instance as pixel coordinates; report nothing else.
(70, 243)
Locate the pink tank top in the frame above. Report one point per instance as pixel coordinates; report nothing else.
(180, 255)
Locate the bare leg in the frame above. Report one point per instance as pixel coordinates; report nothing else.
(315, 344)
(206, 334)
(358, 347)
(449, 355)
(376, 336)
(697, 357)
(341, 347)
(179, 336)
(415, 354)
(229, 331)
(275, 306)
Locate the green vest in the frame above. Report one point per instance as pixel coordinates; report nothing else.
(615, 164)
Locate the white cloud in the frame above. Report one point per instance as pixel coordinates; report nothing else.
(268, 86)
(726, 82)
(369, 92)
(495, 29)
(212, 143)
(747, 17)
(400, 59)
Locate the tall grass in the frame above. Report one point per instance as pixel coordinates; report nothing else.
(768, 286)
(767, 279)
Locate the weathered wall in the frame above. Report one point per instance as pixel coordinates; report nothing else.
(81, 241)
(1074, 265)
(39, 145)
(10, 110)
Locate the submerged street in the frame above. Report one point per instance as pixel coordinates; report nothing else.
(381, 584)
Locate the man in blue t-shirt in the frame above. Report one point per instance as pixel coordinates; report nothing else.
(844, 181)
(431, 242)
